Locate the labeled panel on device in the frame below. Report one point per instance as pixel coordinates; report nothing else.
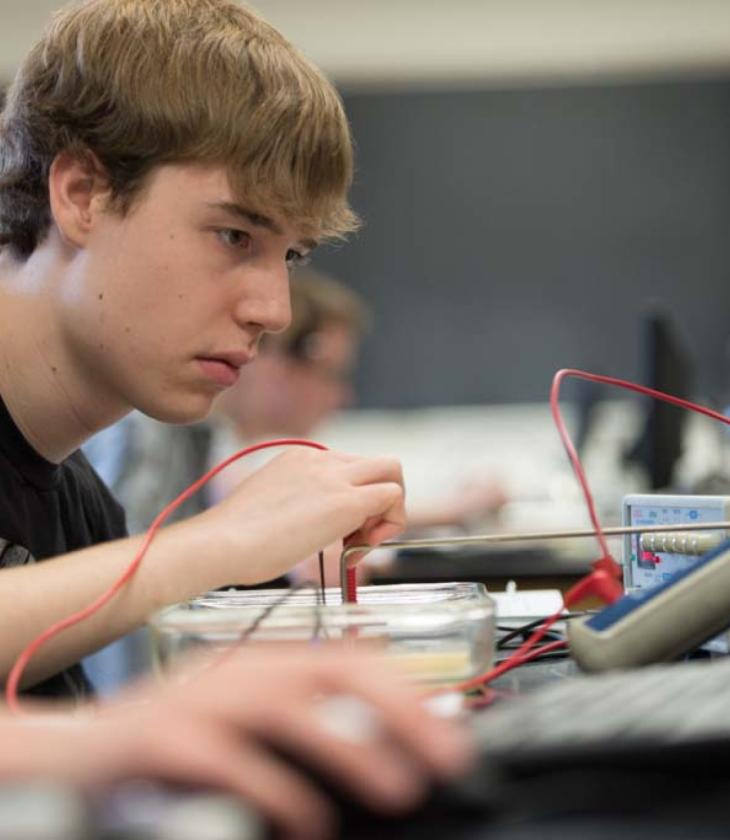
(650, 559)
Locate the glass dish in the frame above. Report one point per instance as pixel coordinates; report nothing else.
(400, 593)
(437, 633)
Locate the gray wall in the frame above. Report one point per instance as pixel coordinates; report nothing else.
(510, 233)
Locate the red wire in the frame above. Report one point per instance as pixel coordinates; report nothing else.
(570, 449)
(485, 698)
(514, 661)
(523, 654)
(11, 689)
(559, 644)
(351, 594)
(599, 582)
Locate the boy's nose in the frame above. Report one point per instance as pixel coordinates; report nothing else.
(269, 308)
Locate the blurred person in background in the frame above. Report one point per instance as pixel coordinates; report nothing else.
(304, 373)
(301, 379)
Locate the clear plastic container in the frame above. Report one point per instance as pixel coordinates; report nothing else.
(438, 633)
(400, 593)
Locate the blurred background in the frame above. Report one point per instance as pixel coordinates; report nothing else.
(534, 178)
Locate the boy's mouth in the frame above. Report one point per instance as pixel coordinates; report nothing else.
(224, 368)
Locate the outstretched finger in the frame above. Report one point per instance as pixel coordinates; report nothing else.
(209, 753)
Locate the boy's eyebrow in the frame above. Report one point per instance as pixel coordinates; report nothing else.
(256, 219)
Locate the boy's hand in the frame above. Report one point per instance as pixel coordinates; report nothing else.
(299, 503)
(213, 730)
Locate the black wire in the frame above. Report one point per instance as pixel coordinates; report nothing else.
(264, 614)
(513, 633)
(322, 581)
(546, 639)
(544, 657)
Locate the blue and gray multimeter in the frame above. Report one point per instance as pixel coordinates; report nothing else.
(678, 588)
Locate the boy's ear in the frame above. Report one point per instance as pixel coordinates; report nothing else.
(78, 191)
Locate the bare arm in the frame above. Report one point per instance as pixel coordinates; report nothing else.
(298, 503)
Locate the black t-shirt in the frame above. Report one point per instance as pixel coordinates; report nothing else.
(49, 509)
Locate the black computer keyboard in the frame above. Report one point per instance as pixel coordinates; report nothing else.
(639, 755)
(642, 716)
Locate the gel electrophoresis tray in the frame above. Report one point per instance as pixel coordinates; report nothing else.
(439, 632)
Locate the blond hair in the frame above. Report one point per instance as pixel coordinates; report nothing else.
(141, 83)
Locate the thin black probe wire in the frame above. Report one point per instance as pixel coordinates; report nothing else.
(550, 636)
(319, 597)
(322, 582)
(320, 600)
(265, 613)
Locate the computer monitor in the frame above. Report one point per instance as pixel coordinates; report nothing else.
(666, 367)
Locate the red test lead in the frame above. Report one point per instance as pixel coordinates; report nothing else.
(13, 683)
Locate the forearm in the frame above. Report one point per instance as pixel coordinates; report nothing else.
(179, 564)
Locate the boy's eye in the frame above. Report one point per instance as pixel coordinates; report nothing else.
(235, 238)
(295, 258)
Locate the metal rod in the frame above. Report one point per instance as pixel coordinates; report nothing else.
(487, 539)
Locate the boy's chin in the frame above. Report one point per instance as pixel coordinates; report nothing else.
(182, 412)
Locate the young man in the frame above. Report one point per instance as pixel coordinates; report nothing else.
(162, 165)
